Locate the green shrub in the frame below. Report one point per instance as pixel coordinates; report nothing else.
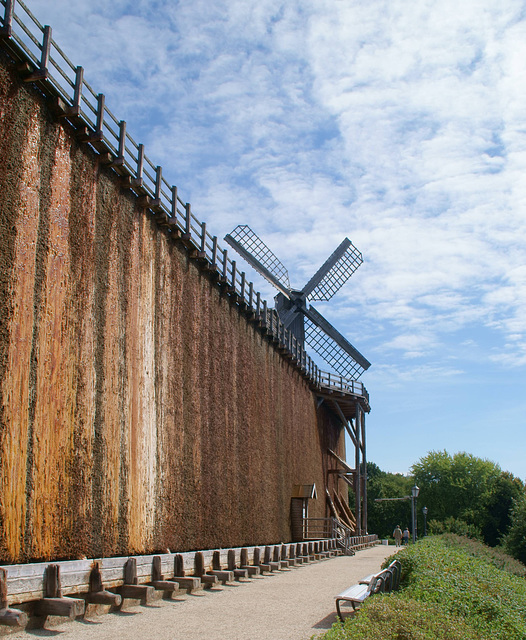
(445, 572)
(452, 588)
(395, 618)
(456, 526)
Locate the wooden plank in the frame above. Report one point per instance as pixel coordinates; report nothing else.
(342, 462)
(348, 510)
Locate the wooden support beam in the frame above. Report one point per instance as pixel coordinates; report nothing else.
(276, 559)
(9, 617)
(199, 570)
(53, 604)
(341, 461)
(258, 562)
(158, 581)
(245, 565)
(97, 594)
(131, 588)
(190, 583)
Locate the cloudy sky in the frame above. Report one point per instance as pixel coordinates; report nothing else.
(400, 124)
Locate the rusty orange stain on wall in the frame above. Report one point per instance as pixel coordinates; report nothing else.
(157, 415)
(15, 387)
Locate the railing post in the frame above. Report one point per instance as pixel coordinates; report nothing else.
(158, 184)
(243, 286)
(233, 281)
(7, 27)
(188, 221)
(203, 239)
(173, 212)
(138, 180)
(225, 265)
(214, 252)
(42, 72)
(100, 113)
(77, 92)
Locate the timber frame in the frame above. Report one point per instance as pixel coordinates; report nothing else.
(350, 410)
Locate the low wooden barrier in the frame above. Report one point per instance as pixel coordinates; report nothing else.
(65, 588)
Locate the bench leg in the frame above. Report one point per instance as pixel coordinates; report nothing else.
(338, 609)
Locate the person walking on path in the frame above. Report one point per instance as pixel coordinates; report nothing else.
(405, 536)
(397, 535)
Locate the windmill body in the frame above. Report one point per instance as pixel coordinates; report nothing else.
(293, 305)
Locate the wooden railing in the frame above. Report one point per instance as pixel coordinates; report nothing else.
(320, 528)
(31, 43)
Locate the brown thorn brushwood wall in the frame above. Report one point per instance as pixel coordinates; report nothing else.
(140, 410)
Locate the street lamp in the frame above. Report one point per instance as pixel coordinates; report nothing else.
(414, 496)
(424, 511)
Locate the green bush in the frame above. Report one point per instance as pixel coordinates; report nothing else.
(446, 573)
(456, 526)
(395, 618)
(452, 588)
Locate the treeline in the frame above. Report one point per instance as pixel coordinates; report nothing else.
(463, 494)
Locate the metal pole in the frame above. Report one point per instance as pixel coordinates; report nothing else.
(413, 518)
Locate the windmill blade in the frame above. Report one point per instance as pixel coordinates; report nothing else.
(329, 343)
(260, 257)
(332, 275)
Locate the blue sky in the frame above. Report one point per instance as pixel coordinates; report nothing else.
(399, 124)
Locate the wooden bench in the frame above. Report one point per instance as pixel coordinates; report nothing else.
(385, 581)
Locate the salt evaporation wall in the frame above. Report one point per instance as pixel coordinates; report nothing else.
(140, 410)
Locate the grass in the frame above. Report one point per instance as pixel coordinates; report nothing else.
(452, 589)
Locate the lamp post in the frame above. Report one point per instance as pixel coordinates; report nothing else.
(414, 496)
(424, 511)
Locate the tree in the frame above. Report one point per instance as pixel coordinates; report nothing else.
(515, 539)
(498, 502)
(382, 517)
(465, 489)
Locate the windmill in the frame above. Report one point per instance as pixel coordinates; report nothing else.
(301, 318)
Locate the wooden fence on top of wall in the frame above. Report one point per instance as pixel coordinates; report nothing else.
(44, 63)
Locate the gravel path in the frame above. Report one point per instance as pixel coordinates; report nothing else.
(290, 605)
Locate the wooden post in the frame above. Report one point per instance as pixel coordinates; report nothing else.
(97, 594)
(233, 281)
(53, 604)
(100, 117)
(138, 181)
(190, 583)
(173, 212)
(9, 617)
(214, 252)
(357, 477)
(42, 72)
(77, 94)
(188, 222)
(199, 570)
(216, 561)
(217, 570)
(131, 588)
(364, 458)
(7, 28)
(158, 581)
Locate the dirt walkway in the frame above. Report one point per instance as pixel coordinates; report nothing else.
(289, 605)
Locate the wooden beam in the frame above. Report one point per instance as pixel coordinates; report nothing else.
(341, 461)
(9, 617)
